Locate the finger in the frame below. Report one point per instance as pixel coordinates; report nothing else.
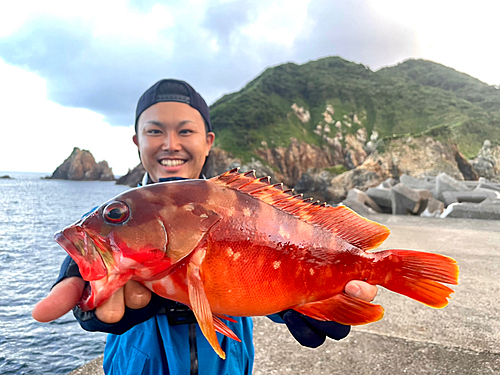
(113, 309)
(137, 295)
(61, 299)
(361, 290)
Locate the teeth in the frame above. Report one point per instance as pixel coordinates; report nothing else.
(171, 163)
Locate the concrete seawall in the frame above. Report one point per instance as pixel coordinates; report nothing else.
(463, 338)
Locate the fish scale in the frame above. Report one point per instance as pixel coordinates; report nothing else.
(235, 245)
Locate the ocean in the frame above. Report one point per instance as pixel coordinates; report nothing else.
(31, 211)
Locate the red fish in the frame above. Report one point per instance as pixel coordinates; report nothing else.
(236, 245)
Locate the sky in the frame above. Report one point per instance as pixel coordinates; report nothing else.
(71, 72)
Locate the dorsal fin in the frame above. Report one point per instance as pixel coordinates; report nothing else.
(342, 221)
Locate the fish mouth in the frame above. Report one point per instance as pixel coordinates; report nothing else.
(82, 248)
(92, 262)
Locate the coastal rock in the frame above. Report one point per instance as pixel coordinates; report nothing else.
(5, 177)
(259, 168)
(417, 183)
(355, 154)
(405, 200)
(444, 183)
(219, 162)
(81, 165)
(434, 208)
(474, 196)
(296, 159)
(487, 162)
(382, 196)
(132, 177)
(314, 184)
(485, 211)
(360, 202)
(424, 156)
(372, 172)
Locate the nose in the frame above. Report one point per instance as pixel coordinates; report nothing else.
(171, 142)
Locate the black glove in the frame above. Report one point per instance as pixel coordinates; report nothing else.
(88, 320)
(311, 332)
(69, 268)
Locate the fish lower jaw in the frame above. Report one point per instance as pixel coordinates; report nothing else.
(87, 300)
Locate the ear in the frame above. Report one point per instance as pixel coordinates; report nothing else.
(210, 141)
(136, 140)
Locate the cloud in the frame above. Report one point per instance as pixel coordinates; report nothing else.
(350, 30)
(37, 134)
(104, 64)
(103, 61)
(82, 72)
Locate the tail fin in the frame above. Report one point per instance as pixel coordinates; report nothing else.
(418, 275)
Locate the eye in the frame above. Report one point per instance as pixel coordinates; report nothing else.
(154, 131)
(116, 213)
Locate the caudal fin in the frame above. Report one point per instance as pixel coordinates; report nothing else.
(418, 275)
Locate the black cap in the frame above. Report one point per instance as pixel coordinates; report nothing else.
(172, 90)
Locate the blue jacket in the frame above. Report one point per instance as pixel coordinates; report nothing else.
(156, 347)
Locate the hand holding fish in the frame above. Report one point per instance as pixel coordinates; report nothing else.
(66, 295)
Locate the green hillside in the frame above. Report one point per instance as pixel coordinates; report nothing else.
(416, 97)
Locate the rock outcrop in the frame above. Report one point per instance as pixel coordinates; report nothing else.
(297, 158)
(415, 157)
(81, 165)
(371, 173)
(487, 162)
(132, 177)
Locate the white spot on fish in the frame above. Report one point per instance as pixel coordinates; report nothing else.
(246, 212)
(236, 255)
(189, 207)
(231, 211)
(283, 232)
(169, 286)
(277, 264)
(311, 271)
(229, 252)
(146, 273)
(204, 216)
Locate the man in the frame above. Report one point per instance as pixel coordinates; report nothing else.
(149, 334)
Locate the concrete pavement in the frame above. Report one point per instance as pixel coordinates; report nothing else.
(463, 338)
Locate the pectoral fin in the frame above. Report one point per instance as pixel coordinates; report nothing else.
(192, 222)
(343, 309)
(199, 303)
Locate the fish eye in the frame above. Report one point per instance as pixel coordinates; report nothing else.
(116, 213)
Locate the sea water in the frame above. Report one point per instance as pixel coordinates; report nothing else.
(32, 209)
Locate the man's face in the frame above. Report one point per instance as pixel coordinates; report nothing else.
(172, 140)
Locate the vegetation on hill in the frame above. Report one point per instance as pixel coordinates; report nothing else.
(413, 98)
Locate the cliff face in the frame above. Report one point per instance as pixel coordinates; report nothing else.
(81, 165)
(415, 157)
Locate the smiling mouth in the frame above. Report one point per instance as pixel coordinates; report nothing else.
(172, 162)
